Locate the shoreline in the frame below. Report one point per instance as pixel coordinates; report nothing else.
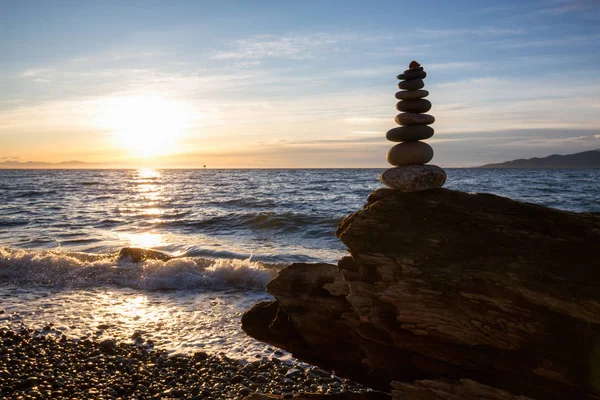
(43, 363)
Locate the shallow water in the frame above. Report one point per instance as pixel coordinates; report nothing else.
(232, 230)
(178, 321)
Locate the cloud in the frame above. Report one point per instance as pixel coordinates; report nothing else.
(483, 31)
(453, 65)
(31, 73)
(368, 72)
(364, 120)
(562, 7)
(569, 40)
(272, 46)
(553, 143)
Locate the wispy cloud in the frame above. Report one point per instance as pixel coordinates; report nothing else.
(364, 120)
(569, 40)
(32, 73)
(482, 31)
(562, 7)
(452, 65)
(368, 72)
(545, 142)
(295, 47)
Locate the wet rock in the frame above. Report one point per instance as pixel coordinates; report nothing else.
(108, 346)
(294, 373)
(137, 255)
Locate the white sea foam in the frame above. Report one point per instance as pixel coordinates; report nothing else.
(78, 269)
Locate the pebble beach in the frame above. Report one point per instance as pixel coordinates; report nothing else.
(43, 364)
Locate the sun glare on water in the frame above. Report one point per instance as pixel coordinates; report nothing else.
(147, 126)
(143, 240)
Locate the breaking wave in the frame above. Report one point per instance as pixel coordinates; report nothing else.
(181, 273)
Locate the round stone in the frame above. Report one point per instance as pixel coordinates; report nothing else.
(410, 153)
(414, 178)
(412, 67)
(409, 133)
(415, 106)
(414, 119)
(413, 84)
(408, 75)
(411, 94)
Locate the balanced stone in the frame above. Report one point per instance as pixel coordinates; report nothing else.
(414, 178)
(407, 75)
(415, 106)
(409, 133)
(411, 94)
(414, 119)
(409, 153)
(413, 84)
(414, 65)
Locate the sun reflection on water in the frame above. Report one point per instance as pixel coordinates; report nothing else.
(145, 205)
(144, 240)
(136, 308)
(147, 173)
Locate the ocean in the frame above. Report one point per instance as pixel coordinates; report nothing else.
(230, 230)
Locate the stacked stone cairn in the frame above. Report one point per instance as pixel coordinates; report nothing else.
(410, 174)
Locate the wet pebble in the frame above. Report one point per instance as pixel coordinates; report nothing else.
(51, 366)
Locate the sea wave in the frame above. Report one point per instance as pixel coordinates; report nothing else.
(266, 220)
(63, 269)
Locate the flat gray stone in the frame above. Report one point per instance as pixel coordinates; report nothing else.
(410, 153)
(409, 133)
(412, 74)
(414, 178)
(414, 119)
(416, 106)
(411, 94)
(413, 84)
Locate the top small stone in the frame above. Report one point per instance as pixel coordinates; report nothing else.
(413, 65)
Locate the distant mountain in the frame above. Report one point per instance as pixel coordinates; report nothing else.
(586, 159)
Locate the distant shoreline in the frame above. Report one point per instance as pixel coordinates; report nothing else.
(585, 159)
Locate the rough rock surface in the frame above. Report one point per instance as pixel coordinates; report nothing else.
(457, 295)
(136, 255)
(414, 119)
(315, 396)
(465, 389)
(413, 178)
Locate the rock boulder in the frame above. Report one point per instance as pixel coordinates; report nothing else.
(449, 295)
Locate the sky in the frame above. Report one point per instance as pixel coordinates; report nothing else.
(270, 84)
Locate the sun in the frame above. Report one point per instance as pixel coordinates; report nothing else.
(148, 125)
